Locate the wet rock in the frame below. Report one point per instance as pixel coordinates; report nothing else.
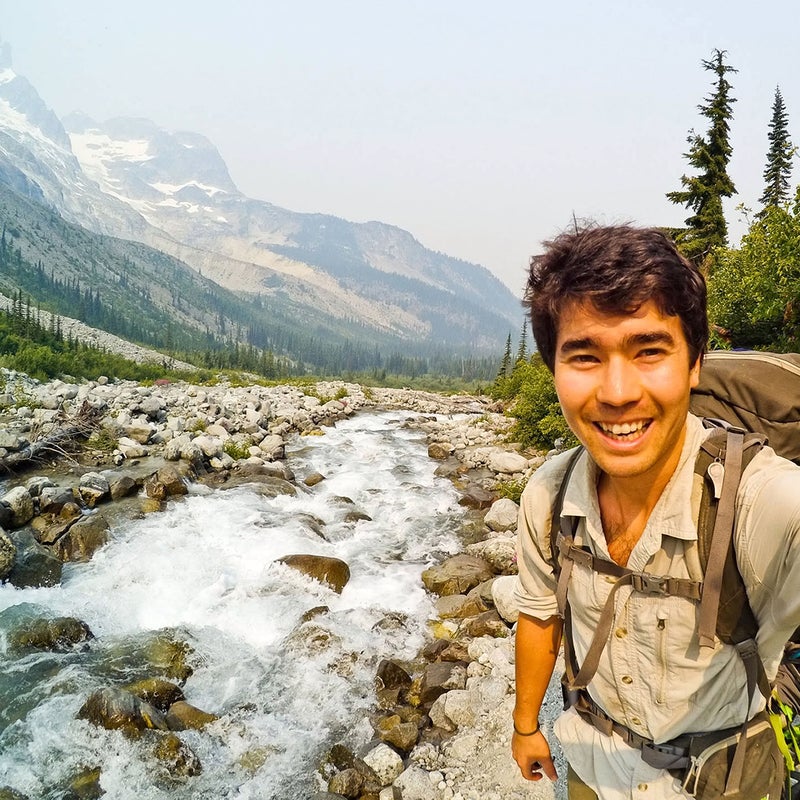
(93, 488)
(8, 555)
(20, 502)
(172, 481)
(502, 516)
(52, 499)
(37, 483)
(347, 783)
(157, 691)
(457, 575)
(331, 571)
(357, 516)
(401, 735)
(34, 564)
(458, 606)
(120, 486)
(155, 490)
(440, 450)
(7, 793)
(390, 675)
(116, 709)
(56, 635)
(169, 656)
(313, 479)
(178, 758)
(83, 538)
(86, 786)
(184, 716)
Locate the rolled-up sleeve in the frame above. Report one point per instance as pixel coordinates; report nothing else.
(535, 591)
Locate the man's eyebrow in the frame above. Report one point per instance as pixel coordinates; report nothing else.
(633, 340)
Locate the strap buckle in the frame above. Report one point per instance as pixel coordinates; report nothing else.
(649, 584)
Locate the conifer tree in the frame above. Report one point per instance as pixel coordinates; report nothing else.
(709, 155)
(506, 362)
(779, 157)
(522, 350)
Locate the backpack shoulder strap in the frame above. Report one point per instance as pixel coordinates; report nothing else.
(558, 506)
(724, 610)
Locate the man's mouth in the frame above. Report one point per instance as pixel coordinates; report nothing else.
(624, 431)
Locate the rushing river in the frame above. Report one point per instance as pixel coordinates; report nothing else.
(205, 570)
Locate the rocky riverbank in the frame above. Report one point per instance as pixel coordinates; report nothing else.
(442, 723)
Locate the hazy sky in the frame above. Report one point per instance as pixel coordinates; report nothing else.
(479, 127)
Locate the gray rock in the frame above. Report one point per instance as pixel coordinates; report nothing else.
(34, 565)
(457, 575)
(500, 553)
(20, 502)
(414, 784)
(93, 488)
(502, 516)
(507, 462)
(503, 596)
(83, 539)
(36, 484)
(385, 762)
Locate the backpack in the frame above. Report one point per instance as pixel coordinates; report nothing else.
(724, 611)
(754, 390)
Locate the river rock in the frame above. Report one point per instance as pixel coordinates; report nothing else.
(507, 462)
(385, 762)
(441, 677)
(347, 783)
(183, 716)
(120, 486)
(331, 571)
(313, 479)
(93, 488)
(179, 759)
(7, 793)
(169, 656)
(503, 589)
(140, 432)
(502, 516)
(8, 555)
(390, 675)
(488, 623)
(37, 483)
(157, 691)
(58, 635)
(454, 709)
(34, 564)
(414, 784)
(402, 735)
(20, 502)
(476, 497)
(457, 575)
(458, 606)
(440, 450)
(52, 499)
(500, 553)
(83, 538)
(172, 481)
(116, 709)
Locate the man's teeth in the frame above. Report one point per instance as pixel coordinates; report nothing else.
(623, 429)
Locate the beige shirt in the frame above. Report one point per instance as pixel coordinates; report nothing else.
(653, 676)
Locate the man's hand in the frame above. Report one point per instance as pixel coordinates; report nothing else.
(532, 754)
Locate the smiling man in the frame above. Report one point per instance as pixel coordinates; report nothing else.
(619, 317)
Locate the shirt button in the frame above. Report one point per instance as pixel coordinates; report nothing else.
(610, 579)
(635, 721)
(621, 633)
(627, 679)
(642, 787)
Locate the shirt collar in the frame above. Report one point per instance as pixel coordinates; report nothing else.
(672, 515)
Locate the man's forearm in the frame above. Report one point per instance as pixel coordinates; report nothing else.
(537, 643)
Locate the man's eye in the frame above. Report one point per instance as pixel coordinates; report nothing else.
(651, 352)
(584, 358)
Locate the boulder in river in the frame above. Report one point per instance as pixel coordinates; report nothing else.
(331, 571)
(457, 575)
(34, 564)
(8, 555)
(58, 634)
(20, 502)
(157, 691)
(117, 709)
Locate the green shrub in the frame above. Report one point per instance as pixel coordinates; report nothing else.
(236, 449)
(539, 421)
(510, 489)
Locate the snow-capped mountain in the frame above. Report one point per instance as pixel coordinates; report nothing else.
(132, 179)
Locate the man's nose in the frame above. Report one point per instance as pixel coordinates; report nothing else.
(619, 384)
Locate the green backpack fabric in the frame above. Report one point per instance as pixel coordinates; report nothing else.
(756, 391)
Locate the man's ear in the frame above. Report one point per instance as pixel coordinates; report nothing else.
(694, 373)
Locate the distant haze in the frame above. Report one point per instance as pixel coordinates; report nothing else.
(479, 128)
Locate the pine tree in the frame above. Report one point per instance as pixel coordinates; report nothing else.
(709, 155)
(505, 365)
(779, 157)
(522, 350)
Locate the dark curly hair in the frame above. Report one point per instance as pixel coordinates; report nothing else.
(616, 269)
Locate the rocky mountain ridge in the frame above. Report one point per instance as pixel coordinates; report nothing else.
(130, 178)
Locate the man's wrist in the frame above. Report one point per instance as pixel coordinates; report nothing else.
(528, 730)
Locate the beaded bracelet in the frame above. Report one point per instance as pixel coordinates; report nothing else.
(520, 733)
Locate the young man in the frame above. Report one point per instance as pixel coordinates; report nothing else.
(619, 317)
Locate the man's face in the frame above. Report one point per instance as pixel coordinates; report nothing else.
(624, 382)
